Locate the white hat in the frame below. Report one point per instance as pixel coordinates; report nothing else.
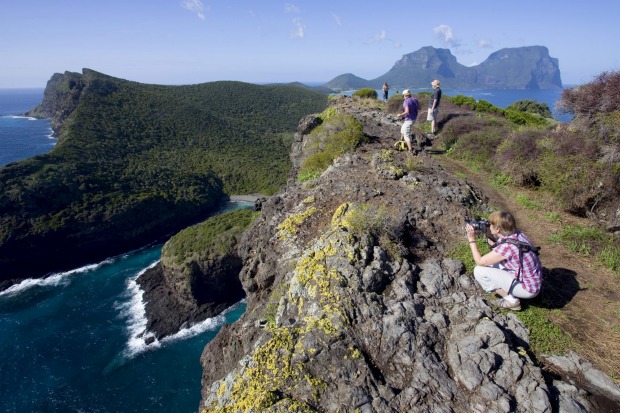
(406, 92)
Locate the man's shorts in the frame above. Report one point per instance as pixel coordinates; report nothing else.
(405, 130)
(432, 114)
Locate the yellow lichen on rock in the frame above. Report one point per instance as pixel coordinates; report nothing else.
(290, 226)
(339, 213)
(278, 365)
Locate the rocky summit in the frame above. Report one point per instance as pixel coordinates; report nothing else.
(353, 305)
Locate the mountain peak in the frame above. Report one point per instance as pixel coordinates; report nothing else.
(528, 67)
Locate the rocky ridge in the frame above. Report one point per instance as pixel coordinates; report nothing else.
(352, 305)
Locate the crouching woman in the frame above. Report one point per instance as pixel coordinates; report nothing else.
(505, 270)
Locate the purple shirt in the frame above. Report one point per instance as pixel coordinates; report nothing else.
(414, 106)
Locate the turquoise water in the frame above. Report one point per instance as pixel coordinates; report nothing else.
(69, 344)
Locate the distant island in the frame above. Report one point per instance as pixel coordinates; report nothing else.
(528, 67)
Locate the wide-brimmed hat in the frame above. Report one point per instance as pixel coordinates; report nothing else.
(435, 82)
(406, 92)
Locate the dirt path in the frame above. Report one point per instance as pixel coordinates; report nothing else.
(586, 295)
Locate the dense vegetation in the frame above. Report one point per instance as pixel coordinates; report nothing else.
(366, 93)
(336, 135)
(137, 161)
(577, 163)
(209, 240)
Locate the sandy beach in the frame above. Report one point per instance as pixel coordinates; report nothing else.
(247, 198)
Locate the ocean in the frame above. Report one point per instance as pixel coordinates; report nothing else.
(22, 137)
(501, 98)
(69, 343)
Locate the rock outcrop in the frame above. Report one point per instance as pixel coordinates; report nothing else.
(170, 308)
(197, 277)
(352, 305)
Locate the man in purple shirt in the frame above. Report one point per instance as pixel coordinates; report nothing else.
(409, 115)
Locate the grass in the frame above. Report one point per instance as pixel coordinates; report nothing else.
(580, 239)
(528, 203)
(546, 337)
(553, 217)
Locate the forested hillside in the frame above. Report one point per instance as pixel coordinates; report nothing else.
(137, 161)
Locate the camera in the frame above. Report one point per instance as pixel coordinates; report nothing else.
(480, 225)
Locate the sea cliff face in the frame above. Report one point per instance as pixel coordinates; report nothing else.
(353, 307)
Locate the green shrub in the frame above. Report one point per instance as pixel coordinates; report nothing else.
(574, 182)
(485, 106)
(532, 106)
(366, 93)
(462, 100)
(334, 137)
(460, 126)
(479, 148)
(524, 118)
(366, 218)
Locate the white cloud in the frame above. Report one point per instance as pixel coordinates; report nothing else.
(291, 8)
(485, 44)
(298, 32)
(335, 16)
(195, 6)
(377, 38)
(444, 33)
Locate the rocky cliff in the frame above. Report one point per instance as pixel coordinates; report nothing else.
(197, 276)
(528, 67)
(352, 305)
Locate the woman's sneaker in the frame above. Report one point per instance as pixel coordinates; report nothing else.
(503, 303)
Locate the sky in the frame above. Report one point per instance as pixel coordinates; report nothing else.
(179, 42)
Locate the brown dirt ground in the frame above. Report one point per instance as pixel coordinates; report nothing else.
(588, 295)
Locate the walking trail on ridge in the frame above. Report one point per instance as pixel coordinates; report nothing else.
(589, 308)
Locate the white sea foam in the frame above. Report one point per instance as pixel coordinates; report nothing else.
(134, 311)
(18, 117)
(56, 279)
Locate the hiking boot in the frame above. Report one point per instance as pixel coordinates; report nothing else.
(505, 304)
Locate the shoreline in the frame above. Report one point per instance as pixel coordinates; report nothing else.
(247, 198)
